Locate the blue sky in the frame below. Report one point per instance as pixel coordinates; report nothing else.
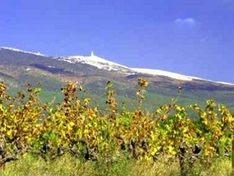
(191, 37)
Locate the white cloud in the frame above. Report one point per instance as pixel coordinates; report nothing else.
(190, 21)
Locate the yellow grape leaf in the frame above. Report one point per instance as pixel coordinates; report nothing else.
(70, 125)
(25, 129)
(63, 133)
(9, 133)
(171, 150)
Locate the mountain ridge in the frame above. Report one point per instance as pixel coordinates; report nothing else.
(102, 63)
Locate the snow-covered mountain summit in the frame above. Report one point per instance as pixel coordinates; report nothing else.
(112, 66)
(97, 62)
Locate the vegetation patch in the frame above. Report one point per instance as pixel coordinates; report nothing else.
(75, 137)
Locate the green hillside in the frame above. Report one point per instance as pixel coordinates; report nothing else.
(17, 69)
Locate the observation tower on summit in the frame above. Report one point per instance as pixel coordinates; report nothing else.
(92, 54)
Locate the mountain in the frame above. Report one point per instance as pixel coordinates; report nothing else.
(18, 67)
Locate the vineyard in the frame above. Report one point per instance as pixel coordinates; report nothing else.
(190, 135)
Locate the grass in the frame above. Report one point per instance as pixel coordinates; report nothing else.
(71, 166)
